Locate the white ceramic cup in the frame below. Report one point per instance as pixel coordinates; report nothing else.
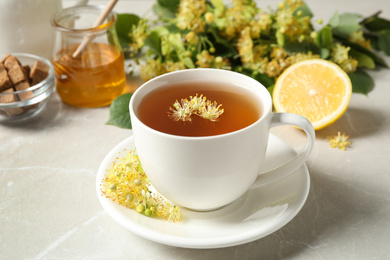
(205, 173)
(25, 26)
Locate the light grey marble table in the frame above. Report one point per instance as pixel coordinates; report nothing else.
(49, 208)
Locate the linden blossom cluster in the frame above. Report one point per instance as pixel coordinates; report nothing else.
(199, 106)
(127, 184)
(238, 36)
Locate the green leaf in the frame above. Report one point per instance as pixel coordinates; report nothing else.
(324, 40)
(373, 40)
(378, 60)
(305, 11)
(363, 59)
(119, 112)
(176, 41)
(335, 19)
(218, 4)
(375, 24)
(172, 5)
(324, 53)
(166, 8)
(345, 24)
(300, 47)
(172, 28)
(349, 19)
(271, 90)
(280, 38)
(345, 31)
(361, 82)
(223, 47)
(324, 37)
(384, 41)
(153, 40)
(188, 62)
(161, 11)
(124, 26)
(264, 79)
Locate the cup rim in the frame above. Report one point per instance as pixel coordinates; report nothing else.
(111, 19)
(267, 108)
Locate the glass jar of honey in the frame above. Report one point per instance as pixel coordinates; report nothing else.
(88, 60)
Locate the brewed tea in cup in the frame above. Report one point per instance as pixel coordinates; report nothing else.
(240, 109)
(201, 135)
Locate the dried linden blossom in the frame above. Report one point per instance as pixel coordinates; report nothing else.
(127, 184)
(339, 141)
(200, 106)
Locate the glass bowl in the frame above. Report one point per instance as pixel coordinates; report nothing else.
(12, 108)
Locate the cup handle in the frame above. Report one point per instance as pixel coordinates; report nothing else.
(282, 171)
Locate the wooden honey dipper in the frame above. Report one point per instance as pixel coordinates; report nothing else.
(97, 23)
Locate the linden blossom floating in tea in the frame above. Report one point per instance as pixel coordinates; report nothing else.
(199, 106)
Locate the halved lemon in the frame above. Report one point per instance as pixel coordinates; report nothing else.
(316, 89)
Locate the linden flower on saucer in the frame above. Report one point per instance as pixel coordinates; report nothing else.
(171, 212)
(150, 205)
(125, 181)
(339, 141)
(127, 184)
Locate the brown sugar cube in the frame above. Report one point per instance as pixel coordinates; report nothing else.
(15, 70)
(5, 82)
(27, 70)
(38, 72)
(9, 99)
(17, 74)
(22, 86)
(6, 57)
(10, 62)
(25, 95)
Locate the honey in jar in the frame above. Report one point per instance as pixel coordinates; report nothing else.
(93, 79)
(94, 75)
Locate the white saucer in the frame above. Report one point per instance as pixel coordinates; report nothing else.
(256, 214)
